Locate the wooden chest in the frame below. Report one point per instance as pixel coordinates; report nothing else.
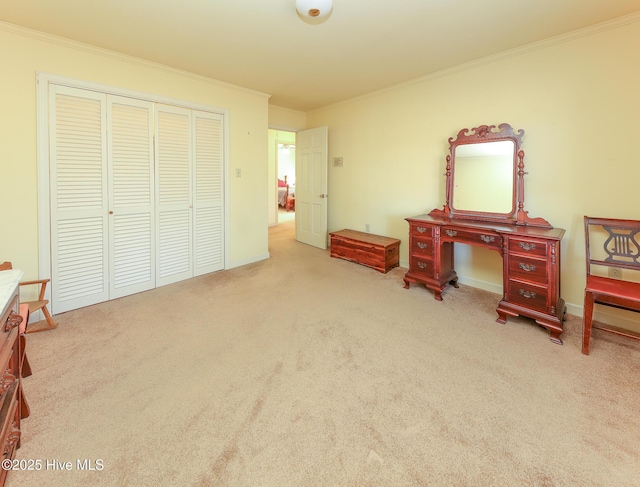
(381, 253)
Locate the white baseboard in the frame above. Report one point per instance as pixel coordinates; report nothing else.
(487, 286)
(603, 315)
(239, 263)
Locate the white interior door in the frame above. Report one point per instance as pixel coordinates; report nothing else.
(208, 201)
(135, 194)
(174, 191)
(311, 186)
(79, 198)
(131, 196)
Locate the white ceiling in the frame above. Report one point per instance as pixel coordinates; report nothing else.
(364, 46)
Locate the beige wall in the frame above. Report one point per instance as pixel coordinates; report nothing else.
(23, 53)
(286, 119)
(578, 102)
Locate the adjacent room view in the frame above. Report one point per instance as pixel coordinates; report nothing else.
(319, 243)
(286, 163)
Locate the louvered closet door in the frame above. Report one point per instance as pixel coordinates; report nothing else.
(209, 192)
(128, 214)
(78, 189)
(131, 196)
(173, 199)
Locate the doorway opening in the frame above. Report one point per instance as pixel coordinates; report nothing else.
(282, 177)
(310, 184)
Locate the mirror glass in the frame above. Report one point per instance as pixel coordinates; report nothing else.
(483, 177)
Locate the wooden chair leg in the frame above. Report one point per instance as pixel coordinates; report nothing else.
(587, 321)
(43, 325)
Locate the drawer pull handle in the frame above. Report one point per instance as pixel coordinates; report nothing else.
(422, 265)
(12, 440)
(421, 229)
(7, 381)
(422, 245)
(527, 246)
(527, 294)
(451, 233)
(527, 267)
(13, 320)
(487, 238)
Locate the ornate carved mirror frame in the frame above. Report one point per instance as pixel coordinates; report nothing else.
(481, 135)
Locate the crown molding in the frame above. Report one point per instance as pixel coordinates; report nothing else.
(80, 46)
(534, 46)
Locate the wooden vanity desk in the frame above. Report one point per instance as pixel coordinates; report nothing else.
(485, 207)
(531, 264)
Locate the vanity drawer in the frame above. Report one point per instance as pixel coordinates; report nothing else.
(536, 248)
(422, 246)
(8, 383)
(9, 331)
(9, 314)
(421, 265)
(485, 239)
(421, 230)
(529, 295)
(530, 269)
(10, 433)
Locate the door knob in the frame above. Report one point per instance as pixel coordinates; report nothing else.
(323, 196)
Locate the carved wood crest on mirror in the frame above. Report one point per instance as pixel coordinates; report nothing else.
(485, 177)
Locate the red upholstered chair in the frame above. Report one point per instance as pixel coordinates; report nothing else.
(612, 253)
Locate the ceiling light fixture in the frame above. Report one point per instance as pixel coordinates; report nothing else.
(314, 11)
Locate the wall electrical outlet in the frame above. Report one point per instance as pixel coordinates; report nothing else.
(615, 273)
(338, 162)
(366, 228)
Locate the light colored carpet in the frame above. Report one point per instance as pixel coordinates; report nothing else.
(304, 370)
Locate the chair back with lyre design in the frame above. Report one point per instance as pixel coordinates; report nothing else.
(613, 271)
